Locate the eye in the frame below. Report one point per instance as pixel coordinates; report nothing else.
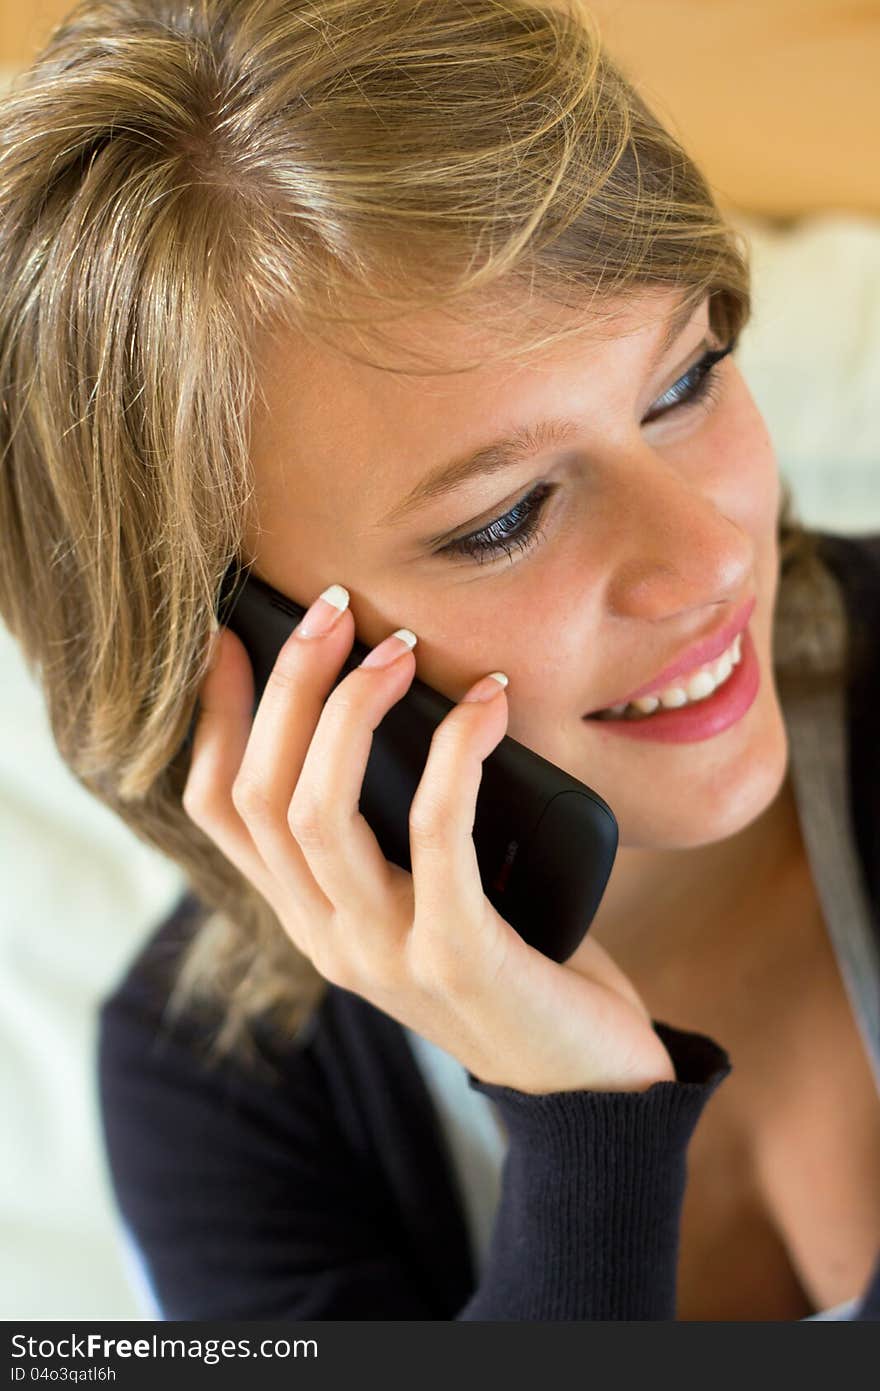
(520, 528)
(516, 530)
(697, 384)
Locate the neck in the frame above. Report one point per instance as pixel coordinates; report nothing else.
(664, 910)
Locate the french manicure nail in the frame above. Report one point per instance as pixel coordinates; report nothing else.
(319, 619)
(389, 650)
(487, 687)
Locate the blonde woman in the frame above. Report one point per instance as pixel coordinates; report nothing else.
(274, 273)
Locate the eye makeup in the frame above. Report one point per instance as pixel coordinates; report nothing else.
(520, 528)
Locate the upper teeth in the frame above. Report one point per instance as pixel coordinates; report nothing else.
(697, 686)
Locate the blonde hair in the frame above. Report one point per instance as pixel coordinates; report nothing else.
(175, 178)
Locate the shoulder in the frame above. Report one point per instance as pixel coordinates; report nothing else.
(155, 1067)
(146, 1047)
(237, 1183)
(849, 586)
(853, 550)
(854, 561)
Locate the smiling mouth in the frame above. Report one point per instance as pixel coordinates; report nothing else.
(673, 688)
(690, 689)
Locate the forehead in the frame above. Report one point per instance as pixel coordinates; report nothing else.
(328, 430)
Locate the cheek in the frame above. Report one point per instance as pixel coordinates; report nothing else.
(546, 626)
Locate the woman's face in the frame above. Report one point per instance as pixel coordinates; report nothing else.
(654, 532)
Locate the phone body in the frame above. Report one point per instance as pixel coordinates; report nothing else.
(545, 842)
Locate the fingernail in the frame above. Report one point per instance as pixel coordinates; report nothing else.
(319, 619)
(487, 687)
(392, 648)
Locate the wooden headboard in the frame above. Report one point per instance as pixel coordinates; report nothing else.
(776, 99)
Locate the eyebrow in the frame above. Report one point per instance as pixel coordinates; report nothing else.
(522, 443)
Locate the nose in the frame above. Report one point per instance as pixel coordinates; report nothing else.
(678, 550)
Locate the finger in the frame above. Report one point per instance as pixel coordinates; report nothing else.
(220, 737)
(341, 849)
(301, 774)
(448, 893)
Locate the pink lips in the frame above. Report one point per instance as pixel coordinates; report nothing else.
(703, 719)
(694, 656)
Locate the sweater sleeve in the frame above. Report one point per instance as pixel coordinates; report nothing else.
(589, 1214)
(240, 1200)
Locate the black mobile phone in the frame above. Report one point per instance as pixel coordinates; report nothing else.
(545, 842)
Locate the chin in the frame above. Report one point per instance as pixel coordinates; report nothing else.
(718, 800)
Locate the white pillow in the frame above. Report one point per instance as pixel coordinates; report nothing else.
(811, 358)
(80, 893)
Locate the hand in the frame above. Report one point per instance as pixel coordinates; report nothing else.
(279, 797)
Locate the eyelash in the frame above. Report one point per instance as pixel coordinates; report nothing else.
(519, 528)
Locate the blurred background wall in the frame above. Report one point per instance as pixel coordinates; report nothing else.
(778, 100)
